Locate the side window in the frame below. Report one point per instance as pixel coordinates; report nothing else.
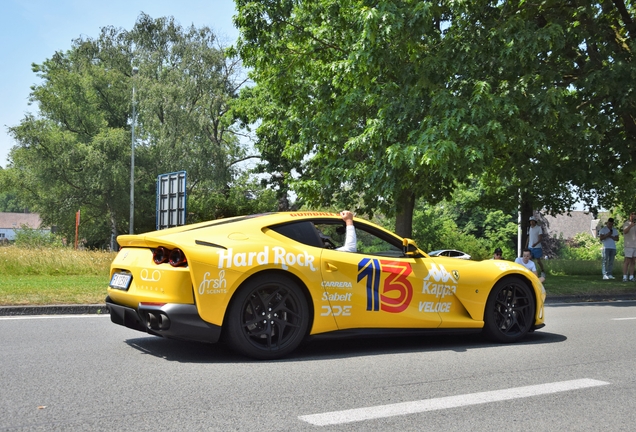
(368, 242)
(302, 232)
(333, 234)
(371, 244)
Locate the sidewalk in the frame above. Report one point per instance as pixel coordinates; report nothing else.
(102, 309)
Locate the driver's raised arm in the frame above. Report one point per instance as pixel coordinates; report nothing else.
(350, 237)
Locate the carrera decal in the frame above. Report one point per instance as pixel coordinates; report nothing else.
(335, 284)
(395, 294)
(277, 255)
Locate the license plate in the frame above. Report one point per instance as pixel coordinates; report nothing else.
(121, 281)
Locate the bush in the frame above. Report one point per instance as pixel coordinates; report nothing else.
(27, 237)
(583, 247)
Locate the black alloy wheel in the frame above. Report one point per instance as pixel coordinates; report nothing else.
(268, 318)
(510, 311)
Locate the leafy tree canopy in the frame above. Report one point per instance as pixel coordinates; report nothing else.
(76, 152)
(385, 102)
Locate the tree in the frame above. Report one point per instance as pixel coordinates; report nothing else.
(352, 85)
(9, 201)
(560, 81)
(76, 152)
(393, 101)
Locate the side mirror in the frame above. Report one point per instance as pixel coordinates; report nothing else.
(410, 249)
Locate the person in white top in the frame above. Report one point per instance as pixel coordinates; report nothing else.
(630, 247)
(525, 261)
(350, 244)
(608, 235)
(533, 242)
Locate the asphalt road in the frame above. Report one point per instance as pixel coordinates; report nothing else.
(81, 372)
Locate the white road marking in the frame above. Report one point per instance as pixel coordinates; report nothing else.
(382, 411)
(27, 317)
(623, 319)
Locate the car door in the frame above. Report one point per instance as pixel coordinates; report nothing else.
(377, 286)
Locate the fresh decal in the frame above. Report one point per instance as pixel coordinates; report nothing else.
(395, 293)
(277, 255)
(213, 286)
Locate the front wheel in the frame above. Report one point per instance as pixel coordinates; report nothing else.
(268, 318)
(509, 311)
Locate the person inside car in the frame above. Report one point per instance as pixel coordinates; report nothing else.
(350, 236)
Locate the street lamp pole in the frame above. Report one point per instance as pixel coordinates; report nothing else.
(132, 155)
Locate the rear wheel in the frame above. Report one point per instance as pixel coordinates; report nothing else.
(268, 318)
(509, 311)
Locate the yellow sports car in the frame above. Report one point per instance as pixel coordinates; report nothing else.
(264, 283)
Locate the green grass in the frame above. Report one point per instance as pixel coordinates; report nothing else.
(65, 276)
(587, 285)
(50, 290)
(43, 276)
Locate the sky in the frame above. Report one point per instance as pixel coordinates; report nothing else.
(33, 30)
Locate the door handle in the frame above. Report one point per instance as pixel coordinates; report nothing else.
(331, 267)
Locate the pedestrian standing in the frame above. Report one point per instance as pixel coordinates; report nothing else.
(629, 231)
(608, 236)
(533, 243)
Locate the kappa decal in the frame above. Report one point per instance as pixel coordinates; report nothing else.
(394, 295)
(441, 274)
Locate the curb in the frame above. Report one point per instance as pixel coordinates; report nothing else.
(102, 309)
(592, 298)
(95, 309)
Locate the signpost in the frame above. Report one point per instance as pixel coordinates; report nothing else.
(171, 200)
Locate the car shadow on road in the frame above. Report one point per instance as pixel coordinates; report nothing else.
(185, 351)
(333, 347)
(329, 348)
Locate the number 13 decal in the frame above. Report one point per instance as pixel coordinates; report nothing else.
(397, 291)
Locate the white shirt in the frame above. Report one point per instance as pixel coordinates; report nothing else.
(529, 265)
(630, 236)
(608, 243)
(350, 244)
(533, 236)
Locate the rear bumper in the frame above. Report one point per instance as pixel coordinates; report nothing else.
(171, 320)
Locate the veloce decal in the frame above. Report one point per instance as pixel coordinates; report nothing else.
(397, 291)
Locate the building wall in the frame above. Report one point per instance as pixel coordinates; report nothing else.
(567, 226)
(11, 222)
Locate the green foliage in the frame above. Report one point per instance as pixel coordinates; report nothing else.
(462, 223)
(584, 247)
(383, 103)
(31, 238)
(75, 154)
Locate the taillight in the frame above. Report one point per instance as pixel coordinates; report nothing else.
(177, 258)
(160, 255)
